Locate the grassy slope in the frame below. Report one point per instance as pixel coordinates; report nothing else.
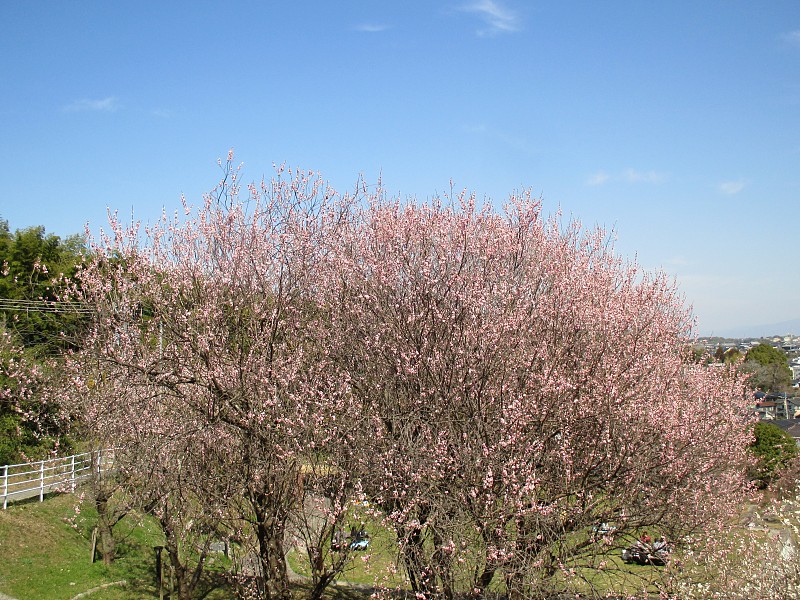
(43, 557)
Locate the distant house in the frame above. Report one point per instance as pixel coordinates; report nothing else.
(767, 410)
(790, 426)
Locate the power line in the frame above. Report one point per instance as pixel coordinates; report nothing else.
(51, 306)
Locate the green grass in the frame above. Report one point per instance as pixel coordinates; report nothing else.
(44, 557)
(45, 554)
(365, 568)
(45, 547)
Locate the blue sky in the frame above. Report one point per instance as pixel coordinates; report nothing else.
(676, 124)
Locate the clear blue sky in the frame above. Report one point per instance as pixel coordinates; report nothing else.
(677, 124)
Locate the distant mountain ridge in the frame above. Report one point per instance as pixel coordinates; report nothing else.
(758, 331)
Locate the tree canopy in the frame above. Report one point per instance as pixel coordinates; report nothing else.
(764, 354)
(34, 329)
(775, 450)
(494, 383)
(35, 266)
(769, 367)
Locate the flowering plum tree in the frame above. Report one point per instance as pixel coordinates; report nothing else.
(163, 464)
(510, 396)
(521, 386)
(30, 424)
(208, 327)
(18, 379)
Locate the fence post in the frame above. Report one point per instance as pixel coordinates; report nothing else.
(5, 486)
(159, 572)
(41, 481)
(72, 473)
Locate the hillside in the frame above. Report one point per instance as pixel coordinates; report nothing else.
(45, 549)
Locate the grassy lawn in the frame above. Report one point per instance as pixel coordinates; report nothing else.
(366, 568)
(45, 554)
(45, 557)
(45, 547)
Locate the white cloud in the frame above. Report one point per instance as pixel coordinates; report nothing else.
(108, 104)
(627, 176)
(676, 261)
(598, 178)
(479, 129)
(792, 37)
(634, 176)
(732, 187)
(498, 19)
(496, 135)
(371, 27)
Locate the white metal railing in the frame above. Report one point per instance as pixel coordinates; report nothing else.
(27, 480)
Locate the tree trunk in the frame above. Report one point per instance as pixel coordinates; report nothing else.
(420, 576)
(183, 579)
(319, 587)
(482, 581)
(321, 577)
(186, 577)
(108, 545)
(105, 524)
(270, 534)
(270, 528)
(485, 579)
(444, 568)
